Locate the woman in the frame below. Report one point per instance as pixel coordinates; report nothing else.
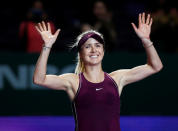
(93, 92)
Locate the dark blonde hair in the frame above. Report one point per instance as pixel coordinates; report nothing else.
(80, 67)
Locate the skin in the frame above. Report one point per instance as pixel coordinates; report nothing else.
(93, 66)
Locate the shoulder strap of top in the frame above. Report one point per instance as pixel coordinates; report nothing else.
(112, 80)
(79, 87)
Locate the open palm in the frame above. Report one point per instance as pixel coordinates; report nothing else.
(46, 34)
(144, 26)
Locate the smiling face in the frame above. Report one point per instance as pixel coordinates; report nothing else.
(92, 52)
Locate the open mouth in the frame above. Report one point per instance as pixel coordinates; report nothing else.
(93, 56)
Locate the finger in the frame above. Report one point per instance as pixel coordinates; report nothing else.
(57, 33)
(134, 26)
(37, 29)
(139, 20)
(148, 19)
(44, 26)
(49, 27)
(143, 18)
(151, 21)
(40, 27)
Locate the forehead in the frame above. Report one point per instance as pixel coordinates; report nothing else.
(91, 41)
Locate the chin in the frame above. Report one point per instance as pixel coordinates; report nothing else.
(94, 62)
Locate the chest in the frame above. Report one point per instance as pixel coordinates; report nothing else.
(91, 95)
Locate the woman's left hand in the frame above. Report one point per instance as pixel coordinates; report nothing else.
(144, 26)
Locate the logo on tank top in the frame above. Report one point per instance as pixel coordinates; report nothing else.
(97, 89)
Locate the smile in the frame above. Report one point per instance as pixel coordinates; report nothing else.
(93, 56)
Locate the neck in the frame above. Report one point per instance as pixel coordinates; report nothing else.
(94, 73)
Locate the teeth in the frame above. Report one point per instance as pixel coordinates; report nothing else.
(93, 56)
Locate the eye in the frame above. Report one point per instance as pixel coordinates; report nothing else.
(98, 45)
(87, 46)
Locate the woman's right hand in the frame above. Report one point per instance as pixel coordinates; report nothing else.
(46, 33)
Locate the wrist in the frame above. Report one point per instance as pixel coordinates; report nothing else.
(46, 47)
(148, 38)
(146, 42)
(147, 46)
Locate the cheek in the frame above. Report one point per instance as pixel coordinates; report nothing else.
(102, 55)
(102, 52)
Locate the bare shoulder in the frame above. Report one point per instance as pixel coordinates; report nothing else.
(118, 73)
(70, 77)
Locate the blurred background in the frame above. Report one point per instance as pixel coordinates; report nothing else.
(152, 100)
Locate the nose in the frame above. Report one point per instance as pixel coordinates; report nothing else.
(93, 49)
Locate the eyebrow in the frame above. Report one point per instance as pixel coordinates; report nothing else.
(94, 43)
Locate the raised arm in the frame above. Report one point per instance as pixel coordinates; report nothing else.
(40, 78)
(153, 65)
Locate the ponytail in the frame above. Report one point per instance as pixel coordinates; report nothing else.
(80, 65)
